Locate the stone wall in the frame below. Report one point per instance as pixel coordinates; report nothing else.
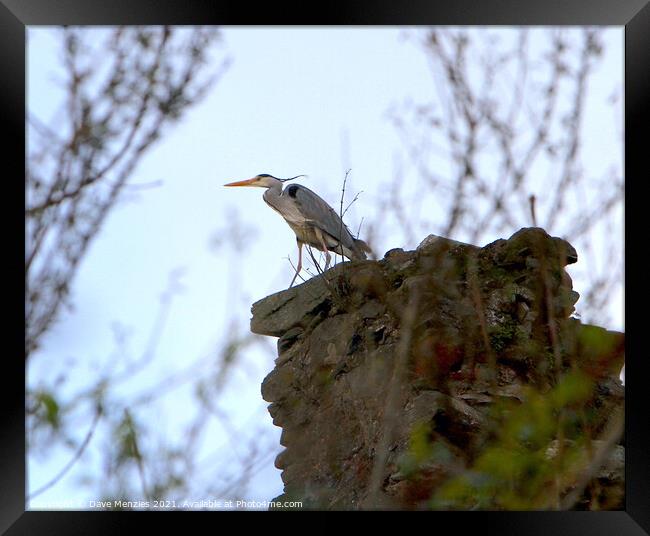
(393, 378)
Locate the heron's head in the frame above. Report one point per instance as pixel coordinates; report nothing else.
(264, 180)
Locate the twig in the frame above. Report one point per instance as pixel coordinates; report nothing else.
(359, 229)
(75, 458)
(571, 157)
(351, 203)
(472, 279)
(316, 264)
(144, 185)
(533, 218)
(295, 269)
(392, 412)
(136, 452)
(341, 213)
(611, 437)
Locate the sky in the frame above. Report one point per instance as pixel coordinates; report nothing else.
(311, 101)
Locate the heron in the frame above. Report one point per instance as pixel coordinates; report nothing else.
(314, 222)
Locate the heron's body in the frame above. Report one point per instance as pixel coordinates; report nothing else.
(314, 222)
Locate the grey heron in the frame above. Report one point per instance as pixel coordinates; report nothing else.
(311, 218)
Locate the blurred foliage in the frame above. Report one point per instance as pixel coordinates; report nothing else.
(495, 161)
(121, 89)
(45, 409)
(121, 95)
(126, 436)
(538, 450)
(501, 142)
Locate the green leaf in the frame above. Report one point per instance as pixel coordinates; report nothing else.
(573, 388)
(49, 408)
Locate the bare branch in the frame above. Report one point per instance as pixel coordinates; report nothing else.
(74, 459)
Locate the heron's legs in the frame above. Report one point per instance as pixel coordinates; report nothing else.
(328, 257)
(299, 267)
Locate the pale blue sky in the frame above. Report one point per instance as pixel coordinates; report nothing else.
(284, 106)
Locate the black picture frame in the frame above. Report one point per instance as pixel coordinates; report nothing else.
(16, 15)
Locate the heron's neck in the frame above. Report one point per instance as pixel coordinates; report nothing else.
(276, 188)
(273, 192)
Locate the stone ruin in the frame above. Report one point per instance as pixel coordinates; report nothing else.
(377, 359)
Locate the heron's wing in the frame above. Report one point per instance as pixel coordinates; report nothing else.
(317, 212)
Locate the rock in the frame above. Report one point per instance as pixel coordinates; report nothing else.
(372, 309)
(287, 309)
(391, 373)
(288, 338)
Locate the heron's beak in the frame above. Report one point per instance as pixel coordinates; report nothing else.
(247, 182)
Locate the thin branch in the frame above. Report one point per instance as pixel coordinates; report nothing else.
(294, 268)
(75, 458)
(533, 217)
(351, 203)
(610, 438)
(359, 228)
(341, 213)
(392, 412)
